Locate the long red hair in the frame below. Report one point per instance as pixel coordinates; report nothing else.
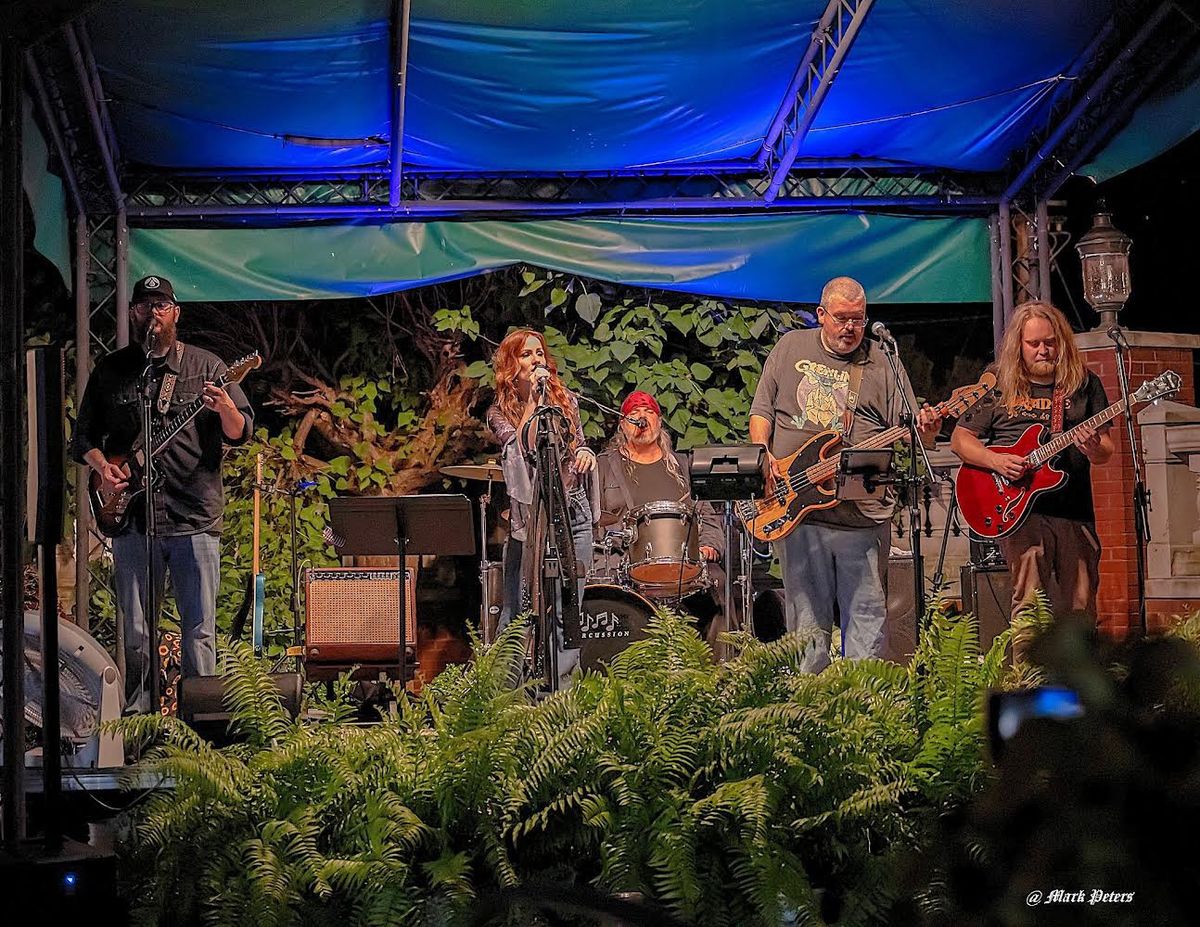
(506, 364)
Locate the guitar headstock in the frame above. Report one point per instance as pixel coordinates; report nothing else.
(1166, 383)
(242, 366)
(966, 396)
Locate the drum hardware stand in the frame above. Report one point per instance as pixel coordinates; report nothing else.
(1141, 495)
(485, 570)
(731, 474)
(939, 575)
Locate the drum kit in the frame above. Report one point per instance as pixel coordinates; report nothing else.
(650, 560)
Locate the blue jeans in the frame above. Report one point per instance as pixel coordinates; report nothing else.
(823, 566)
(514, 550)
(194, 563)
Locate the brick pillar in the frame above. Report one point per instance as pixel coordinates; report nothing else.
(1112, 484)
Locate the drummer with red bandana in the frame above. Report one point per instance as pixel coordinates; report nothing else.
(641, 466)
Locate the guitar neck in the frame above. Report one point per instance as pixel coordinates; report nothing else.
(1067, 438)
(177, 422)
(825, 469)
(257, 506)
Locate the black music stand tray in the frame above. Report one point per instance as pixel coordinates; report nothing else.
(375, 526)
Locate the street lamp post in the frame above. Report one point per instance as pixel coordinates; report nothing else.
(1104, 254)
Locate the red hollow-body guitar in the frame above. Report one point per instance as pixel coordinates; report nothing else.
(994, 506)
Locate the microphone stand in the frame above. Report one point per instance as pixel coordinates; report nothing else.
(150, 595)
(549, 509)
(912, 480)
(1141, 495)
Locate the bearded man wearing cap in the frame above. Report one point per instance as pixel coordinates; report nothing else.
(640, 466)
(189, 499)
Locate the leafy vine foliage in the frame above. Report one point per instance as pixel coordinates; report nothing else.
(375, 396)
(725, 793)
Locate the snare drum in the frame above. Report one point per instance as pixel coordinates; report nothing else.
(663, 557)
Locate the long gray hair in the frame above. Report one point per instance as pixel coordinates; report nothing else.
(620, 441)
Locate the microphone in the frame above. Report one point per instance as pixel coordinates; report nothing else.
(640, 422)
(1117, 334)
(879, 330)
(332, 538)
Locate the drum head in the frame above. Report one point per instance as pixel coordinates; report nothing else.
(612, 617)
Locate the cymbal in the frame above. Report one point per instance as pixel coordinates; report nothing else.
(486, 471)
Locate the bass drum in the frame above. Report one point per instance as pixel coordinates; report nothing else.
(612, 618)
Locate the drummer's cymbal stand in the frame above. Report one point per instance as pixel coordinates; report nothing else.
(489, 613)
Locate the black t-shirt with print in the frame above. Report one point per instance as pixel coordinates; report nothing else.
(991, 423)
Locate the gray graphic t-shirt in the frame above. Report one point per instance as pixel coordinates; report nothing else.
(803, 391)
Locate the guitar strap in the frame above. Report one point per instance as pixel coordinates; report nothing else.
(1057, 402)
(167, 389)
(856, 376)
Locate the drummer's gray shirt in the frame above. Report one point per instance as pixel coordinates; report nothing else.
(803, 391)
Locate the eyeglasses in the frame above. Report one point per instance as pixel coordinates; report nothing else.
(151, 307)
(855, 323)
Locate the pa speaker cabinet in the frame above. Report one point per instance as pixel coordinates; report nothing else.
(987, 594)
(352, 615)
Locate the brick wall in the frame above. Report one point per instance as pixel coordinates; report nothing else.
(1112, 483)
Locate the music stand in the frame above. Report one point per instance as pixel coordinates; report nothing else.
(863, 473)
(403, 525)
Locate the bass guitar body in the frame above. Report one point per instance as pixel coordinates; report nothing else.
(994, 506)
(795, 497)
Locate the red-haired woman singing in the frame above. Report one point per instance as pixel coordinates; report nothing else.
(521, 363)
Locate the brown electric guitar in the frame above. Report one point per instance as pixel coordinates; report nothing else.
(810, 483)
(113, 511)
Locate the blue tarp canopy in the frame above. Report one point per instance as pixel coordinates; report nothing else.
(592, 85)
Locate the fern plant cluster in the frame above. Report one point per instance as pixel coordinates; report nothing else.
(736, 793)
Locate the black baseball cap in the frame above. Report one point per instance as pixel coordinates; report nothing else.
(153, 289)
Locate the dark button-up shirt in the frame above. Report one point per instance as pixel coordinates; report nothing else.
(190, 498)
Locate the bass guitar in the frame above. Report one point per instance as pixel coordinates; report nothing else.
(994, 506)
(113, 511)
(809, 483)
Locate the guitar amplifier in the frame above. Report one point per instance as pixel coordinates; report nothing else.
(352, 615)
(987, 594)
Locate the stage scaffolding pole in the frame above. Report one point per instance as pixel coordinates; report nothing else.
(1006, 262)
(121, 283)
(1042, 231)
(401, 11)
(12, 425)
(83, 356)
(998, 269)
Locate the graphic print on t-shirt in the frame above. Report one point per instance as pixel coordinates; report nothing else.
(820, 395)
(1038, 408)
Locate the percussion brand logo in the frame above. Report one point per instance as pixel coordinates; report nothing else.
(602, 624)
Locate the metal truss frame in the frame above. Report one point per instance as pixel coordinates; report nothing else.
(831, 40)
(163, 199)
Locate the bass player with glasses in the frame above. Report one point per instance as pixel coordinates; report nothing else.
(814, 381)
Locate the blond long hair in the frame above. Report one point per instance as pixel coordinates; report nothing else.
(1012, 379)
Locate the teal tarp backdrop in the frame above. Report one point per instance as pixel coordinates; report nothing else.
(898, 259)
